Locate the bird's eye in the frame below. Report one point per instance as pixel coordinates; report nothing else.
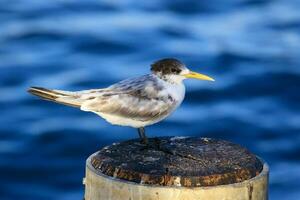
(173, 70)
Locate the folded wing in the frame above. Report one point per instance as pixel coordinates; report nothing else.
(136, 99)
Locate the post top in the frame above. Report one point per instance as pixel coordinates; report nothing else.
(178, 161)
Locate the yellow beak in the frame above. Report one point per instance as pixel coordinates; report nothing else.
(198, 76)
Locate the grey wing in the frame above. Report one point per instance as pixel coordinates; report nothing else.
(138, 99)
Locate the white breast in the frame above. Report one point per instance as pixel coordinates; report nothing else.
(124, 121)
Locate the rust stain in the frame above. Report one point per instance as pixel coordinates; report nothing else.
(250, 191)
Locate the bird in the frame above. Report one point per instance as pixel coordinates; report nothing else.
(135, 102)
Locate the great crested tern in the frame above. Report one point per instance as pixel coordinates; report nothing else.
(135, 102)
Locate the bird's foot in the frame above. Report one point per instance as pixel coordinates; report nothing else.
(144, 141)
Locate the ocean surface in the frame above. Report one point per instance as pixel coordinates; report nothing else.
(251, 48)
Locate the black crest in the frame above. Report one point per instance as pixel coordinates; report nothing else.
(167, 66)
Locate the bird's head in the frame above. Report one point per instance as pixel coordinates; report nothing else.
(174, 71)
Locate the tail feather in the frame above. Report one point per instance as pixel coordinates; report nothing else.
(58, 96)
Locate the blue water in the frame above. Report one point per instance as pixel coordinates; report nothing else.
(251, 48)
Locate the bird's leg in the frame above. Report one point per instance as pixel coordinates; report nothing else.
(142, 134)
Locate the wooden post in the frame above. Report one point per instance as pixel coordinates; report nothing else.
(175, 168)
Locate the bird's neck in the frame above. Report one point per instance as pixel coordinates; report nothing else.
(174, 88)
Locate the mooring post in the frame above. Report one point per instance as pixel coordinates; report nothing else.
(176, 168)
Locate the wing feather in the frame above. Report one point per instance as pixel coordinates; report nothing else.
(137, 99)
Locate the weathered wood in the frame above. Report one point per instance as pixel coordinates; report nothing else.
(176, 168)
(178, 161)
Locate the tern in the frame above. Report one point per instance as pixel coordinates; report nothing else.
(134, 102)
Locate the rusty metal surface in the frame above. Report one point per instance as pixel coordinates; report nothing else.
(177, 161)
